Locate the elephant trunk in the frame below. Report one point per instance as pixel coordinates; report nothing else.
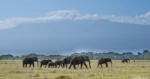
(111, 63)
(89, 64)
(22, 64)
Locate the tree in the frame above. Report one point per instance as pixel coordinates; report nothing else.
(145, 51)
(139, 53)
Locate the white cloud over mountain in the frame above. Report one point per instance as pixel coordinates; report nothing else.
(75, 15)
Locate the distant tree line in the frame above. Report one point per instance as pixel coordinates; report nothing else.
(145, 55)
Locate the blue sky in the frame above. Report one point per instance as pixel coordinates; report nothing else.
(63, 27)
(35, 8)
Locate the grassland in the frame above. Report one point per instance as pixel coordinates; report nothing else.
(140, 69)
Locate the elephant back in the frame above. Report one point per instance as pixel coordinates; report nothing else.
(28, 60)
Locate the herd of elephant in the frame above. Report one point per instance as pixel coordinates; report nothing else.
(72, 60)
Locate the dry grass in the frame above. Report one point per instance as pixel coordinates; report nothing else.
(134, 70)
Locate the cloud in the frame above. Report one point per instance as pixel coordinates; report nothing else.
(139, 19)
(68, 15)
(51, 16)
(75, 15)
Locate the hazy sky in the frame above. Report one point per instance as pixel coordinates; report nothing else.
(67, 26)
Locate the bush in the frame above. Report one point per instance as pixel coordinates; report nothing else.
(63, 77)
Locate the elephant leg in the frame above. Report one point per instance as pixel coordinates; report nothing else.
(74, 66)
(101, 65)
(33, 65)
(106, 64)
(85, 65)
(70, 66)
(45, 66)
(66, 65)
(98, 65)
(23, 65)
(30, 65)
(62, 65)
(81, 65)
(26, 65)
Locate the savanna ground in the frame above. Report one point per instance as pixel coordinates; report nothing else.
(140, 69)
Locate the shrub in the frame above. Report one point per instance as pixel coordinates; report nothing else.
(63, 77)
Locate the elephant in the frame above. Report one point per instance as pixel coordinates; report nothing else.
(78, 60)
(51, 64)
(28, 60)
(104, 61)
(59, 63)
(127, 60)
(67, 61)
(45, 62)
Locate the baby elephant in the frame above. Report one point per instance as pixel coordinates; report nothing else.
(104, 61)
(45, 62)
(127, 60)
(51, 64)
(59, 63)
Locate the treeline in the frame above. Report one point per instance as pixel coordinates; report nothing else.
(145, 55)
(40, 57)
